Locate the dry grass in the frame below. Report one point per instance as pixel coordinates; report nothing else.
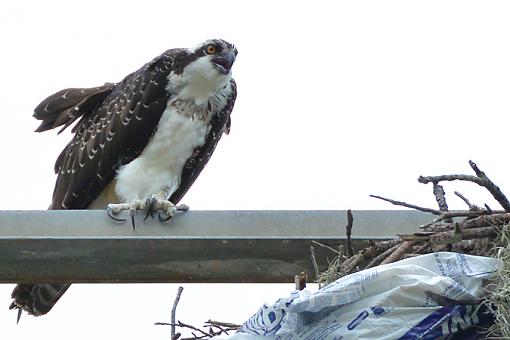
(498, 290)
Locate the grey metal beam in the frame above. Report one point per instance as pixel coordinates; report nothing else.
(197, 246)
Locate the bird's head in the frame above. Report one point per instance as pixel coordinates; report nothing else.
(216, 53)
(205, 69)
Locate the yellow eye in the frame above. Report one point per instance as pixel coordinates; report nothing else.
(211, 49)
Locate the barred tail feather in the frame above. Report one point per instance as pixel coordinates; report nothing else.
(37, 299)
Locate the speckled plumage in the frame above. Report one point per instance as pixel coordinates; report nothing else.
(154, 131)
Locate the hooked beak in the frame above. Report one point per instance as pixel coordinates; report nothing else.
(224, 62)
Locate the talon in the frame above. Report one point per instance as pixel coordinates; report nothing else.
(132, 215)
(19, 315)
(110, 213)
(163, 219)
(149, 207)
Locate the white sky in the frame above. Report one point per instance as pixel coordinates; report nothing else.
(337, 100)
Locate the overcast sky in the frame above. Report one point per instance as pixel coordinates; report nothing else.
(337, 100)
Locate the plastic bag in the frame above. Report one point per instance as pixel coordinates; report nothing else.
(429, 296)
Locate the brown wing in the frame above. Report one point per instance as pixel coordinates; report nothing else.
(117, 122)
(65, 106)
(220, 123)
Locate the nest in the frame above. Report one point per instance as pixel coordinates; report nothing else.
(475, 231)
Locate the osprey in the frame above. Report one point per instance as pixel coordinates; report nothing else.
(139, 144)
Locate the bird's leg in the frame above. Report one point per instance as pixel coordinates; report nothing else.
(152, 204)
(169, 209)
(156, 203)
(159, 202)
(132, 207)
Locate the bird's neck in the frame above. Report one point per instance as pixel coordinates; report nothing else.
(198, 82)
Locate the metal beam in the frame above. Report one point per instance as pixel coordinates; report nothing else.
(197, 246)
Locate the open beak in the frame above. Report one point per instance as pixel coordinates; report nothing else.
(224, 62)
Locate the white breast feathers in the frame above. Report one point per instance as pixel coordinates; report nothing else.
(161, 162)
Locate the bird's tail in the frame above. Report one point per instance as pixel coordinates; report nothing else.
(37, 299)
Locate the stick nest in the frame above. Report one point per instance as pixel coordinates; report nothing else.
(475, 231)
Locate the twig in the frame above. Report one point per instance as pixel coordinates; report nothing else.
(300, 280)
(204, 334)
(493, 188)
(174, 309)
(341, 252)
(471, 206)
(325, 246)
(314, 263)
(401, 250)
(348, 232)
(368, 253)
(442, 215)
(381, 256)
(449, 178)
(353, 261)
(482, 221)
(407, 205)
(223, 327)
(440, 198)
(480, 179)
(233, 326)
(421, 248)
(458, 213)
(183, 325)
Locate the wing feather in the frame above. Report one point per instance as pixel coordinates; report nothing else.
(65, 106)
(108, 135)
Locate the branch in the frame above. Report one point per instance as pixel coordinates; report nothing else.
(223, 327)
(440, 198)
(440, 178)
(462, 197)
(493, 188)
(407, 205)
(478, 219)
(174, 308)
(315, 265)
(348, 232)
(233, 326)
(442, 215)
(204, 334)
(480, 179)
(300, 280)
(401, 250)
(327, 247)
(381, 256)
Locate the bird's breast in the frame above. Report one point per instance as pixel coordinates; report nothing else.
(179, 132)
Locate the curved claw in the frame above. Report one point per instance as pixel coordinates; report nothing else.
(132, 215)
(163, 219)
(20, 311)
(149, 207)
(179, 208)
(110, 215)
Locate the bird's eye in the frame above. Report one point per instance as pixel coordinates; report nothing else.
(211, 49)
